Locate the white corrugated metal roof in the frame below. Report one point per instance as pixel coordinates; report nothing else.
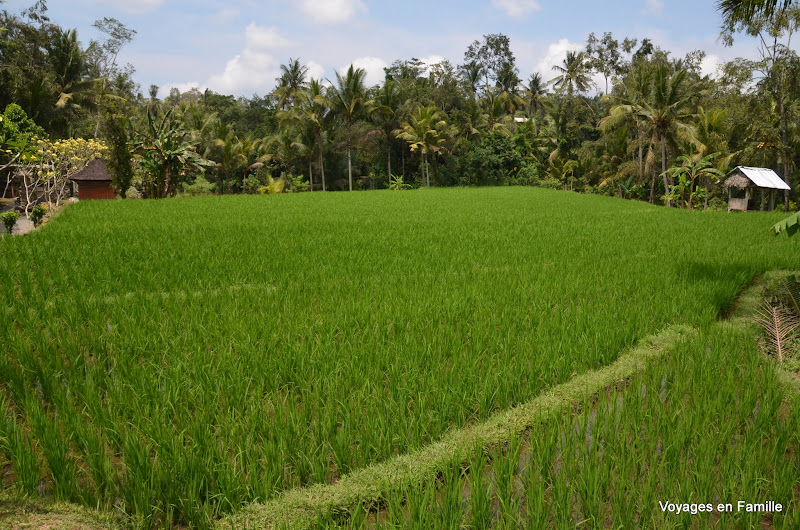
(763, 177)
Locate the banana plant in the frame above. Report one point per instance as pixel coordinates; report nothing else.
(790, 225)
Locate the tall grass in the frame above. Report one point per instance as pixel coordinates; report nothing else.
(185, 357)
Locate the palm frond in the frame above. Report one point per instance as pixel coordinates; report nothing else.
(792, 287)
(779, 325)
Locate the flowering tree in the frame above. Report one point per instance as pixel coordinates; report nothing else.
(50, 167)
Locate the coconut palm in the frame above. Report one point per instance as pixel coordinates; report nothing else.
(534, 93)
(349, 101)
(626, 109)
(291, 81)
(384, 115)
(72, 85)
(472, 73)
(667, 112)
(744, 10)
(227, 150)
(573, 74)
(313, 115)
(425, 132)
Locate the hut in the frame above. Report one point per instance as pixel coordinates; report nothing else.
(94, 182)
(746, 180)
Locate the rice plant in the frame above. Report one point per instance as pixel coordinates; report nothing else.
(174, 364)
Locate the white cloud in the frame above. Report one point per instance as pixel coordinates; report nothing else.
(136, 6)
(263, 39)
(654, 7)
(315, 70)
(556, 53)
(183, 87)
(332, 11)
(373, 66)
(517, 8)
(430, 61)
(255, 68)
(226, 15)
(710, 65)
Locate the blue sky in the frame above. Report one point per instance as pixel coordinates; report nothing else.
(237, 46)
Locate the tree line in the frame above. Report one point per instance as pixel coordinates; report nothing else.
(654, 127)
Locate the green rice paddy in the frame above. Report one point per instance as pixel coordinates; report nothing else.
(175, 360)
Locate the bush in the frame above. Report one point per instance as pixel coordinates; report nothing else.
(551, 183)
(199, 188)
(297, 183)
(37, 215)
(9, 220)
(251, 184)
(527, 176)
(274, 186)
(132, 193)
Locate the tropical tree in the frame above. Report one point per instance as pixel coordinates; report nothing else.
(73, 88)
(227, 150)
(745, 10)
(291, 81)
(425, 132)
(690, 171)
(166, 154)
(534, 94)
(349, 101)
(384, 114)
(573, 74)
(472, 73)
(315, 113)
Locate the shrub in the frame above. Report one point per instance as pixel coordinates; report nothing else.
(37, 215)
(396, 183)
(527, 175)
(274, 186)
(251, 184)
(551, 183)
(297, 183)
(199, 188)
(9, 220)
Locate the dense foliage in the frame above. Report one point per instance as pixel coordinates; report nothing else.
(475, 123)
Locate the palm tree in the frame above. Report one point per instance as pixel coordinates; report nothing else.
(626, 111)
(312, 115)
(426, 132)
(227, 150)
(535, 91)
(573, 74)
(291, 81)
(507, 79)
(349, 101)
(384, 114)
(744, 10)
(472, 73)
(667, 112)
(70, 80)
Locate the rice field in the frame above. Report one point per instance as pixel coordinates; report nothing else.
(175, 360)
(667, 450)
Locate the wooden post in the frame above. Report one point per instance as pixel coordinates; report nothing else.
(763, 198)
(771, 200)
